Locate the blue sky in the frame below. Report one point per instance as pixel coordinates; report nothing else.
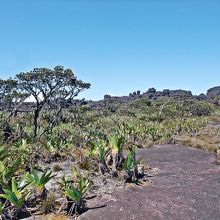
(119, 46)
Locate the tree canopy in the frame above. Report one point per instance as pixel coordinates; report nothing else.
(46, 86)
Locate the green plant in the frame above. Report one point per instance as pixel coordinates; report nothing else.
(1, 208)
(40, 181)
(152, 131)
(116, 144)
(65, 182)
(75, 192)
(131, 166)
(3, 153)
(129, 162)
(7, 170)
(99, 149)
(17, 194)
(23, 149)
(53, 145)
(75, 188)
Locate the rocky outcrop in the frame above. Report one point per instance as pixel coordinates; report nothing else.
(213, 95)
(201, 97)
(176, 94)
(183, 184)
(214, 92)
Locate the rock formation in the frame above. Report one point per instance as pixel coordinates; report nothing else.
(213, 96)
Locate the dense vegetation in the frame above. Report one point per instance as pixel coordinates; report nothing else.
(96, 142)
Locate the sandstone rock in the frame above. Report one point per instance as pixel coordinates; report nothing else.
(215, 91)
(185, 186)
(151, 90)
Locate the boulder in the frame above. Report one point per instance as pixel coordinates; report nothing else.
(214, 92)
(183, 185)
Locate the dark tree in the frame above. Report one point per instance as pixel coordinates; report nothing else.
(11, 96)
(49, 86)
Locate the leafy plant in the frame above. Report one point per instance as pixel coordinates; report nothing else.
(3, 153)
(8, 170)
(1, 208)
(17, 194)
(54, 144)
(40, 181)
(130, 161)
(100, 150)
(116, 144)
(131, 166)
(76, 188)
(65, 182)
(24, 148)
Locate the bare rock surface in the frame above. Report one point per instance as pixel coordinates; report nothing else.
(184, 184)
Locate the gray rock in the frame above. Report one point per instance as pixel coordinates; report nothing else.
(215, 91)
(185, 186)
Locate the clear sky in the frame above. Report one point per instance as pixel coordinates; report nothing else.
(119, 46)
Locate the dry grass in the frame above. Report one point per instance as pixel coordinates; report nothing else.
(207, 138)
(197, 142)
(52, 217)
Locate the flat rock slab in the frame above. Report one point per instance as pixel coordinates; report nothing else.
(185, 185)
